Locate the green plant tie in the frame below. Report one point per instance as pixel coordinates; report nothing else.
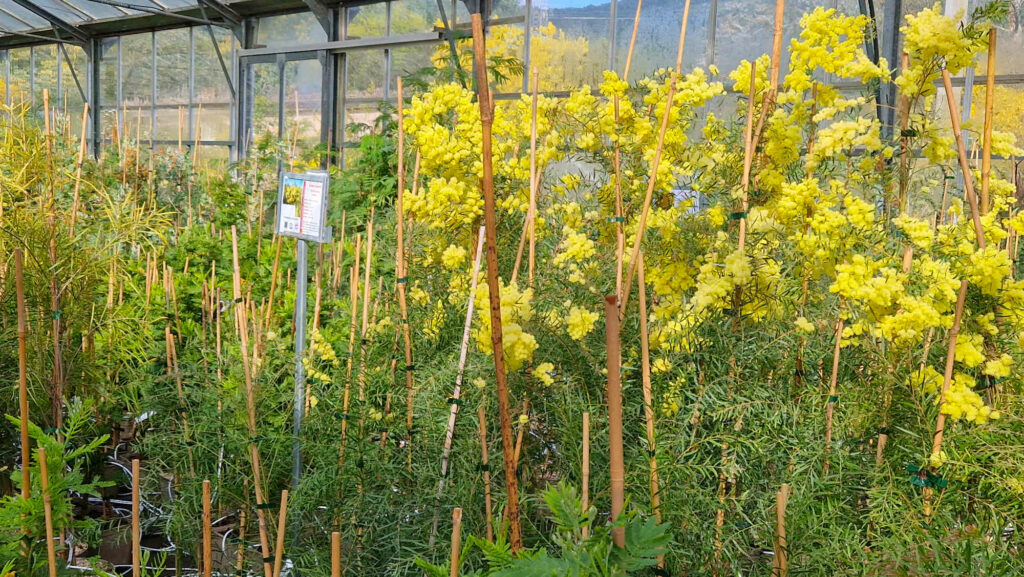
(256, 439)
(402, 280)
(454, 401)
(410, 367)
(737, 215)
(268, 559)
(56, 314)
(483, 467)
(616, 219)
(51, 431)
(265, 506)
(833, 399)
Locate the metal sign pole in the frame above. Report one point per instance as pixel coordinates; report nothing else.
(300, 349)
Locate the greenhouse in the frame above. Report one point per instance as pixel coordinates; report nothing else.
(721, 288)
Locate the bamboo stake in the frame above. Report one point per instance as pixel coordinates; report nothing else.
(616, 463)
(136, 525)
(990, 98)
(241, 318)
(482, 417)
(181, 127)
(521, 431)
(19, 281)
(282, 518)
(78, 170)
(780, 8)
(585, 469)
(354, 300)
(240, 553)
(954, 118)
(198, 139)
(207, 531)
(532, 213)
(883, 434)
(456, 540)
(645, 358)
(367, 270)
(947, 378)
(487, 184)
(335, 554)
(780, 561)
(403, 279)
(456, 398)
(832, 389)
(273, 282)
(632, 41)
(655, 163)
(44, 479)
(748, 156)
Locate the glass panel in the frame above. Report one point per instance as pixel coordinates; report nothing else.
(108, 120)
(172, 123)
(1007, 115)
(290, 30)
(215, 156)
(303, 82)
(60, 10)
(4, 84)
(657, 37)
(80, 66)
(408, 60)
(137, 70)
(359, 119)
(213, 121)
(365, 74)
(569, 43)
(46, 74)
(412, 16)
(108, 72)
(138, 123)
(749, 20)
(211, 84)
(172, 64)
(21, 73)
(366, 21)
(265, 83)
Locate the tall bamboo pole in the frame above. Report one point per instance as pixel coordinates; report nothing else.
(78, 169)
(207, 531)
(990, 98)
(616, 464)
(947, 378)
(585, 471)
(487, 184)
(354, 300)
(780, 8)
(632, 40)
(241, 318)
(645, 359)
(655, 163)
(748, 156)
(136, 525)
(19, 281)
(534, 177)
(282, 518)
(780, 561)
(402, 274)
(833, 389)
(335, 554)
(44, 479)
(954, 118)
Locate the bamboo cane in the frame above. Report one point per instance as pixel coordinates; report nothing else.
(282, 518)
(456, 540)
(780, 8)
(532, 214)
(78, 170)
(207, 532)
(403, 278)
(990, 98)
(240, 552)
(136, 525)
(19, 281)
(44, 479)
(482, 417)
(456, 398)
(645, 358)
(780, 561)
(883, 434)
(947, 378)
(632, 41)
(655, 163)
(585, 472)
(198, 140)
(335, 554)
(522, 431)
(616, 463)
(954, 118)
(273, 282)
(748, 156)
(363, 342)
(354, 300)
(487, 184)
(181, 128)
(832, 390)
(241, 318)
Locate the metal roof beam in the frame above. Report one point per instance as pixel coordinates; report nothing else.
(223, 11)
(75, 32)
(157, 11)
(322, 13)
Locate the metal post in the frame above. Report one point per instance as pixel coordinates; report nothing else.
(300, 348)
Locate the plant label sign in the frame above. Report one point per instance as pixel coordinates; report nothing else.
(302, 206)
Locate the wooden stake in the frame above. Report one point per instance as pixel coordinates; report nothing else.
(354, 300)
(78, 170)
(19, 281)
(282, 519)
(585, 470)
(616, 462)
(482, 417)
(207, 531)
(748, 155)
(335, 554)
(44, 479)
(487, 184)
(403, 279)
(632, 41)
(832, 389)
(136, 525)
(655, 163)
(456, 540)
(947, 378)
(241, 318)
(453, 411)
(780, 8)
(990, 98)
(780, 561)
(954, 118)
(645, 359)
